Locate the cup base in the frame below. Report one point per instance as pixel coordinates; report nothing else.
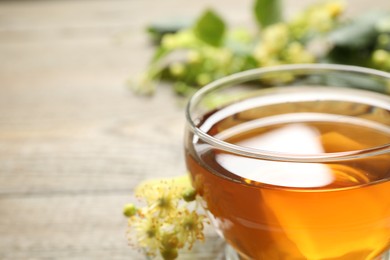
(385, 256)
(231, 254)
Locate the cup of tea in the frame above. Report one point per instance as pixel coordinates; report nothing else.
(293, 162)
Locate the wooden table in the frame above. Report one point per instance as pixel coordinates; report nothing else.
(74, 141)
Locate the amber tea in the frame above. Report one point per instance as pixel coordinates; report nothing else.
(314, 193)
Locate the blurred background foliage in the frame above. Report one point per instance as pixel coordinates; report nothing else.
(191, 54)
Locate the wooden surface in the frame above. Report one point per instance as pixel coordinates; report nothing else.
(74, 141)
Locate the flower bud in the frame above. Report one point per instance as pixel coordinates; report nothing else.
(380, 57)
(129, 210)
(177, 69)
(169, 254)
(189, 195)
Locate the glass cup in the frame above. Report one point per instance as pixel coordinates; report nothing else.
(293, 162)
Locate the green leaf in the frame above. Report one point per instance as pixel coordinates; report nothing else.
(267, 12)
(210, 28)
(348, 56)
(360, 34)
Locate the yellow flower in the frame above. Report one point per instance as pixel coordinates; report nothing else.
(191, 227)
(186, 38)
(262, 54)
(161, 199)
(320, 20)
(380, 57)
(317, 18)
(275, 37)
(170, 220)
(193, 56)
(169, 41)
(177, 185)
(177, 68)
(144, 232)
(335, 8)
(203, 79)
(162, 195)
(296, 53)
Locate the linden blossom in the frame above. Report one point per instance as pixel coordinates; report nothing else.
(207, 50)
(170, 220)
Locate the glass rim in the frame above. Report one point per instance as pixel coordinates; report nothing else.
(273, 155)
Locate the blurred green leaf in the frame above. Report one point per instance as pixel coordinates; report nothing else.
(210, 28)
(207, 50)
(360, 33)
(344, 55)
(267, 12)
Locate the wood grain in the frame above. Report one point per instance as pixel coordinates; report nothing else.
(74, 141)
